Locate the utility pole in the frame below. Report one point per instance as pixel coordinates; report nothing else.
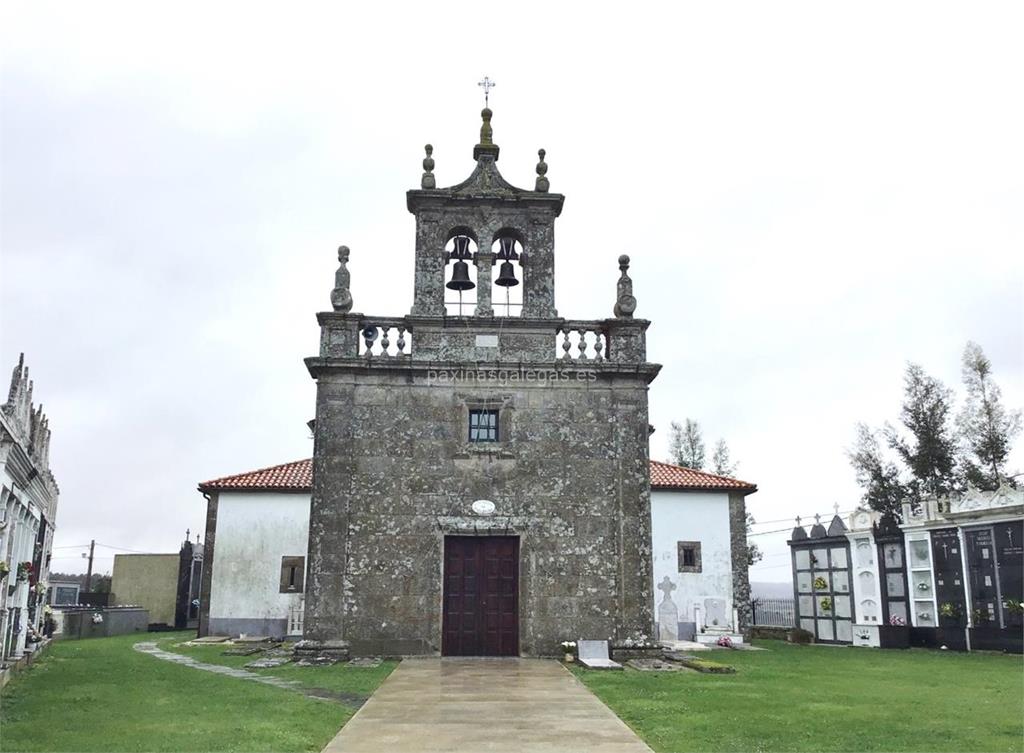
(88, 576)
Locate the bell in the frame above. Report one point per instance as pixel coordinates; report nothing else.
(460, 277)
(507, 275)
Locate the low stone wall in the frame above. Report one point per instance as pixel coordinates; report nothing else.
(78, 623)
(773, 633)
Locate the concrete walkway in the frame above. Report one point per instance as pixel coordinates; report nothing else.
(494, 705)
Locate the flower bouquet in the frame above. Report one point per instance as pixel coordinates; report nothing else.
(569, 647)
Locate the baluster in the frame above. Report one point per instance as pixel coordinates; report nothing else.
(598, 345)
(369, 335)
(385, 341)
(566, 345)
(583, 344)
(401, 339)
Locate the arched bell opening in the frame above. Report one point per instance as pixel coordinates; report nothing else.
(507, 276)
(460, 273)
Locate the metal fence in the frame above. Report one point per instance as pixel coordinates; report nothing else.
(774, 612)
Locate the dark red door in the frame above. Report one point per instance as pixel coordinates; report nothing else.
(481, 596)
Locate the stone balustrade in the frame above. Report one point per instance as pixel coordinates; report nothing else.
(581, 341)
(385, 338)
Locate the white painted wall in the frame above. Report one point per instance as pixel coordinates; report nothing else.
(19, 528)
(254, 531)
(692, 516)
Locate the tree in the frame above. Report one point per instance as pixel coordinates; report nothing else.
(986, 428)
(721, 465)
(879, 477)
(675, 442)
(686, 445)
(930, 453)
(754, 553)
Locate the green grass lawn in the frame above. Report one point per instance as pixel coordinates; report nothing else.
(100, 695)
(825, 698)
(339, 678)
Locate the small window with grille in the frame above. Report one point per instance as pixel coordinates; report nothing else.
(689, 556)
(483, 425)
(292, 571)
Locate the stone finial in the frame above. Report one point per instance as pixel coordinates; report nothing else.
(341, 297)
(486, 132)
(427, 181)
(486, 145)
(542, 168)
(12, 393)
(625, 303)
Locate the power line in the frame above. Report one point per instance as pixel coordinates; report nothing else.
(765, 533)
(786, 520)
(121, 548)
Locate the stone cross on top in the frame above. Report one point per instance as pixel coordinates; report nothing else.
(667, 586)
(486, 85)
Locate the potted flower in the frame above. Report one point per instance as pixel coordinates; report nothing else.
(569, 647)
(4, 569)
(894, 635)
(950, 613)
(24, 570)
(1014, 611)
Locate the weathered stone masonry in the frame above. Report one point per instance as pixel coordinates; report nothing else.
(394, 472)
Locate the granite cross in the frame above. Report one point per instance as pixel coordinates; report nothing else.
(667, 586)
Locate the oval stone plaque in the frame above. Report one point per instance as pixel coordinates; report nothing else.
(483, 507)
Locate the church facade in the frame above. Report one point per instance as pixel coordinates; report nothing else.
(481, 482)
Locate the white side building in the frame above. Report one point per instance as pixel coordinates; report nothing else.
(257, 534)
(699, 550)
(28, 507)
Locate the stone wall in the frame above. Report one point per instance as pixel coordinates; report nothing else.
(740, 568)
(394, 474)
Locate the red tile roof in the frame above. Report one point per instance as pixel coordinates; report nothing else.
(298, 477)
(290, 477)
(665, 476)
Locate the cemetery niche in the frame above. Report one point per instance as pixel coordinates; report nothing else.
(821, 578)
(950, 575)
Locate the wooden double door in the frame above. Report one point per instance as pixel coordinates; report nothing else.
(481, 596)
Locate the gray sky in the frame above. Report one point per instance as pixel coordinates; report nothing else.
(812, 194)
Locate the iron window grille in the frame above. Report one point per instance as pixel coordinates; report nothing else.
(689, 556)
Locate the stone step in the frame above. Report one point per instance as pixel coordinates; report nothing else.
(710, 638)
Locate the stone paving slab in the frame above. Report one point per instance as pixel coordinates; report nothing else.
(487, 706)
(348, 699)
